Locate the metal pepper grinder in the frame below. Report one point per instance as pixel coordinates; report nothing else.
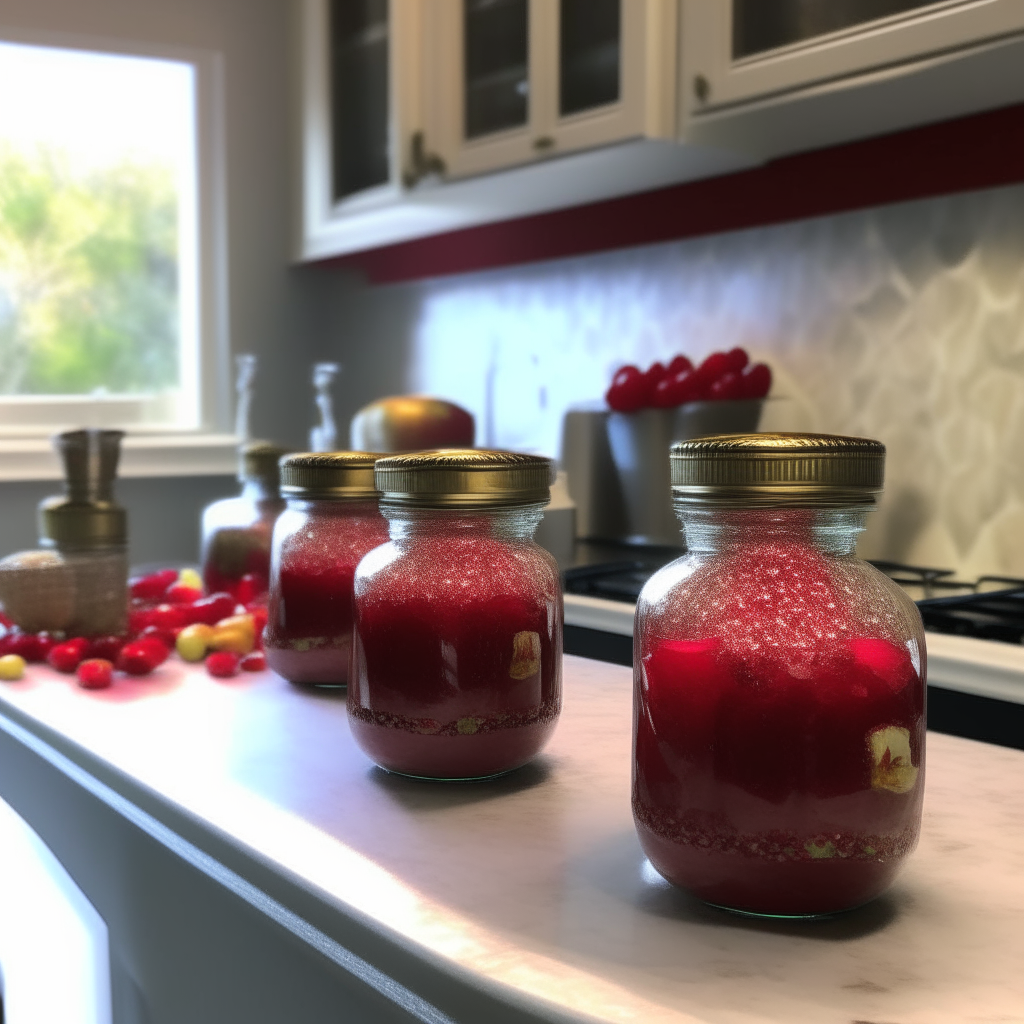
(90, 530)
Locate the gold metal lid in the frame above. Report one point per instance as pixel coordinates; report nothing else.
(769, 470)
(328, 475)
(258, 460)
(464, 478)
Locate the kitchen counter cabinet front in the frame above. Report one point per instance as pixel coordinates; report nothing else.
(251, 864)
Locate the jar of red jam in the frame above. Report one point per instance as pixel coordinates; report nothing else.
(457, 663)
(237, 531)
(779, 683)
(330, 522)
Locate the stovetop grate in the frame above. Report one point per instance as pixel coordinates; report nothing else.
(973, 610)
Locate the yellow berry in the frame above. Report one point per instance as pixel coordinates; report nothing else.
(233, 638)
(193, 641)
(245, 623)
(190, 578)
(12, 667)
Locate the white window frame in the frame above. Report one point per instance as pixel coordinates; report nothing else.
(152, 450)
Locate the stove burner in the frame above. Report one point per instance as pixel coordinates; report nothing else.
(973, 611)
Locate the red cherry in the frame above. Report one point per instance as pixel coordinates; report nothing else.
(728, 386)
(664, 396)
(678, 364)
(738, 358)
(168, 616)
(95, 674)
(652, 376)
(626, 393)
(756, 381)
(66, 657)
(713, 367)
(106, 648)
(255, 662)
(166, 637)
(686, 386)
(249, 587)
(27, 645)
(211, 609)
(178, 593)
(138, 620)
(152, 587)
(140, 657)
(222, 664)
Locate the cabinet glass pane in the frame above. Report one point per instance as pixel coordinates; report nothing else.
(497, 65)
(359, 95)
(590, 54)
(759, 25)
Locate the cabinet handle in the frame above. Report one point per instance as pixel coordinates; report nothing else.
(545, 142)
(701, 88)
(421, 162)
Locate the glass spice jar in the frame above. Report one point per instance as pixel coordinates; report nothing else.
(457, 658)
(330, 522)
(779, 700)
(237, 532)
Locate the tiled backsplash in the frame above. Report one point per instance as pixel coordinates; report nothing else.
(904, 323)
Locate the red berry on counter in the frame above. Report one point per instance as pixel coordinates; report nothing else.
(138, 620)
(178, 593)
(255, 662)
(222, 664)
(168, 616)
(211, 609)
(140, 657)
(678, 364)
(167, 637)
(153, 586)
(728, 387)
(106, 647)
(738, 359)
(95, 674)
(66, 657)
(627, 391)
(249, 588)
(756, 381)
(27, 645)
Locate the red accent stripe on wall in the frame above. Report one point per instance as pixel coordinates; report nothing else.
(980, 151)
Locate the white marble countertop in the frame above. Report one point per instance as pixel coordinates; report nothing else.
(533, 886)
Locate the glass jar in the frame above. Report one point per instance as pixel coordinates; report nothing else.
(237, 532)
(330, 522)
(779, 683)
(457, 662)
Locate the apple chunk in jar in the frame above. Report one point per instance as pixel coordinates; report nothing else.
(779, 683)
(458, 618)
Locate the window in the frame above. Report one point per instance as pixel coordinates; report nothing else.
(99, 244)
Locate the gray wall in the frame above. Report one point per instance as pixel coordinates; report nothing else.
(163, 514)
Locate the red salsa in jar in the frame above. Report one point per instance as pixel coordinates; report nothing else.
(780, 690)
(237, 532)
(330, 522)
(458, 618)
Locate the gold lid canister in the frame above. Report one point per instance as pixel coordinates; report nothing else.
(258, 461)
(464, 478)
(774, 470)
(328, 475)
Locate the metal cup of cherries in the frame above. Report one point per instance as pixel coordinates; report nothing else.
(168, 613)
(723, 376)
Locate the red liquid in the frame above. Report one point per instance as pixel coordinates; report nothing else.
(779, 760)
(458, 657)
(308, 638)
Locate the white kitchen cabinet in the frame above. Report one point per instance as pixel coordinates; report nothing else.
(776, 76)
(513, 81)
(423, 116)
